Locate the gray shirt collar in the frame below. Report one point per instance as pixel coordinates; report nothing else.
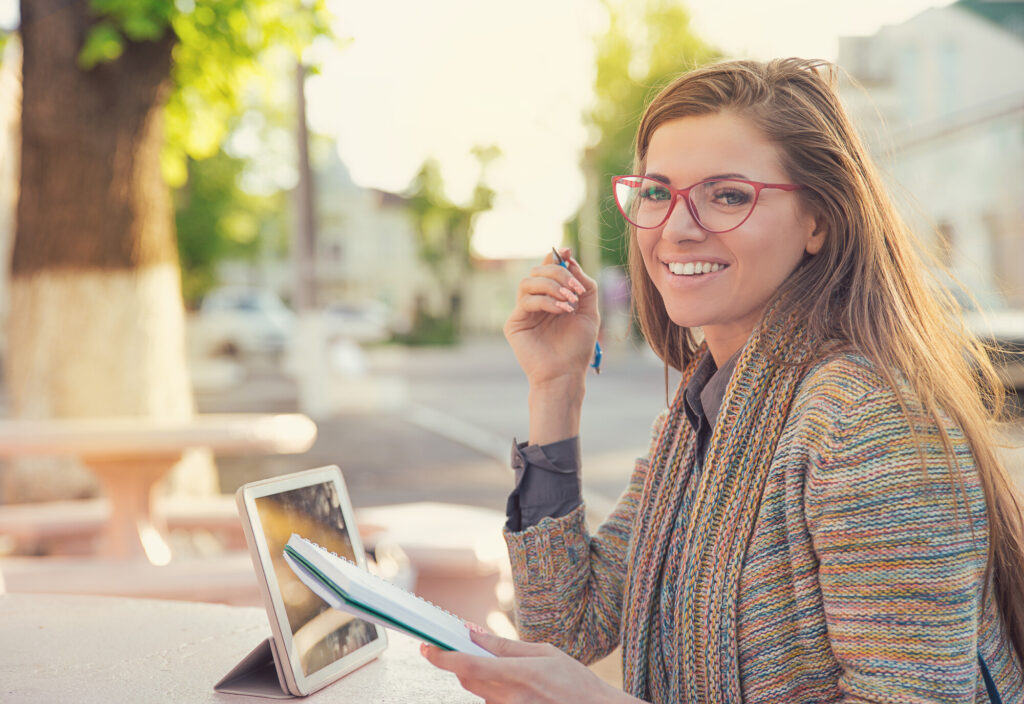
(706, 390)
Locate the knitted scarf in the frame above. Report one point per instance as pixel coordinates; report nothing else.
(700, 656)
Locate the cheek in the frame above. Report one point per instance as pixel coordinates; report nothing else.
(770, 262)
(777, 267)
(646, 247)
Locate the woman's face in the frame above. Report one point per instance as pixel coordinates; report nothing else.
(753, 260)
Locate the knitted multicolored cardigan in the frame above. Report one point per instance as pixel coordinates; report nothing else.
(858, 576)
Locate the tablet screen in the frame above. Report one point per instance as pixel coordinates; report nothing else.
(321, 635)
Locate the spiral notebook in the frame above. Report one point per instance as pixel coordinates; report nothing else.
(347, 587)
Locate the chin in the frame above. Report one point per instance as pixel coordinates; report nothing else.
(687, 319)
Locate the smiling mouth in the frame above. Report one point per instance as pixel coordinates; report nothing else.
(694, 268)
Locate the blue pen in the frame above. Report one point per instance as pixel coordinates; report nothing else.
(597, 345)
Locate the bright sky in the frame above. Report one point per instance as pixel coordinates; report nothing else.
(436, 78)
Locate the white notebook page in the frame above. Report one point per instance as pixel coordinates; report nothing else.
(369, 591)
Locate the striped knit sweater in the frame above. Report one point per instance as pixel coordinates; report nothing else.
(862, 581)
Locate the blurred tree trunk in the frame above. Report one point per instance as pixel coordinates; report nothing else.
(97, 322)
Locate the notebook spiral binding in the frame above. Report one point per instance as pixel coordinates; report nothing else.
(387, 583)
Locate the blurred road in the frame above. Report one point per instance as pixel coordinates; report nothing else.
(436, 424)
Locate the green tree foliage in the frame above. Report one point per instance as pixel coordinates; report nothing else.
(445, 230)
(217, 54)
(216, 220)
(647, 44)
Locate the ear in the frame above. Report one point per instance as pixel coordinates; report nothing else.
(816, 237)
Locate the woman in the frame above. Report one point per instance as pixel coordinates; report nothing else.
(821, 517)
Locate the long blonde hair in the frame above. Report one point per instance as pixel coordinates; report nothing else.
(867, 289)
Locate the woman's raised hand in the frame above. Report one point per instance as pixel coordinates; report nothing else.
(554, 326)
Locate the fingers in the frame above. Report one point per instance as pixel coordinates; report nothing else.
(570, 265)
(522, 672)
(573, 267)
(475, 627)
(537, 293)
(475, 667)
(554, 288)
(465, 667)
(504, 647)
(445, 659)
(563, 276)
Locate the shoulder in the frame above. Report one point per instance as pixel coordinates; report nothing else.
(836, 391)
(846, 403)
(846, 377)
(845, 387)
(854, 423)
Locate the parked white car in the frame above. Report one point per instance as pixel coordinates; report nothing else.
(241, 323)
(362, 322)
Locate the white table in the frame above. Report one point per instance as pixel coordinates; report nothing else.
(130, 455)
(89, 649)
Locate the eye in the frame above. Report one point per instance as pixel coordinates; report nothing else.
(648, 192)
(727, 195)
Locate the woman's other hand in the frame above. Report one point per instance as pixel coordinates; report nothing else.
(554, 325)
(537, 673)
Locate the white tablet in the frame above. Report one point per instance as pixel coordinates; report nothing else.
(315, 644)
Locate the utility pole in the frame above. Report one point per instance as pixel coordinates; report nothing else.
(309, 346)
(305, 285)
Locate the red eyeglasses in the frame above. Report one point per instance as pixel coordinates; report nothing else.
(716, 204)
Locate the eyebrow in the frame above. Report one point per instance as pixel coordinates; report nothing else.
(668, 182)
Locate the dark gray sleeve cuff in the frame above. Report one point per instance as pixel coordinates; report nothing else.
(547, 482)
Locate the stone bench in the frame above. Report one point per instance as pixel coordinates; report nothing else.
(62, 528)
(131, 455)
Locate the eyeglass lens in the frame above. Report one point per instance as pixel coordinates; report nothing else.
(717, 205)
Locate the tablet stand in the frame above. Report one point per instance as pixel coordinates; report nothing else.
(258, 674)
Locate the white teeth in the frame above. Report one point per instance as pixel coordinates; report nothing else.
(693, 268)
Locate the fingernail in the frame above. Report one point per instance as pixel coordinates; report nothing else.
(573, 298)
(567, 307)
(577, 286)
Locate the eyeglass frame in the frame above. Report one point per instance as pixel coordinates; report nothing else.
(685, 193)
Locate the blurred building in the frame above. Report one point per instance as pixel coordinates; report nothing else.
(367, 251)
(939, 100)
(366, 244)
(365, 248)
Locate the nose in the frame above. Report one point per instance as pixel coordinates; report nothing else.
(681, 224)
